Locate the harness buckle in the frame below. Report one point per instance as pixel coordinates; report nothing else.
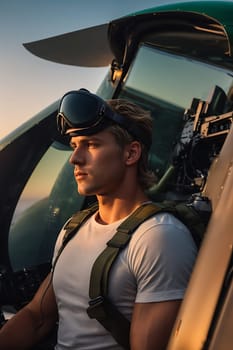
(96, 308)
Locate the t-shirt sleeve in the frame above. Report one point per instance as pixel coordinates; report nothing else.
(161, 255)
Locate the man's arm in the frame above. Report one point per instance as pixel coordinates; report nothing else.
(152, 324)
(32, 323)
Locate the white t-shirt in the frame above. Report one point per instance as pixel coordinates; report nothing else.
(155, 266)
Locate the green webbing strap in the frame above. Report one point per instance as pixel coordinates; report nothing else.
(102, 265)
(76, 221)
(193, 220)
(73, 226)
(100, 307)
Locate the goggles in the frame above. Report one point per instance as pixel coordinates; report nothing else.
(83, 113)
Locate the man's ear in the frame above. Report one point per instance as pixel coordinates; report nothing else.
(133, 152)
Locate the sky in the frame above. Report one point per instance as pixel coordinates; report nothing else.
(28, 83)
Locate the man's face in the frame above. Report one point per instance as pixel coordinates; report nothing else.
(99, 163)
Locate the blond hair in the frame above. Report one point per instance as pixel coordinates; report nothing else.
(143, 119)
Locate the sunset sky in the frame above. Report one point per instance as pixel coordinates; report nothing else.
(28, 83)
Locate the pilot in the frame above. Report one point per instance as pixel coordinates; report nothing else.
(110, 142)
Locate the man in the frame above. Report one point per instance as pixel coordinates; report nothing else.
(110, 144)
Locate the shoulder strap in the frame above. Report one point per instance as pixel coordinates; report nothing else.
(100, 306)
(73, 226)
(121, 238)
(76, 221)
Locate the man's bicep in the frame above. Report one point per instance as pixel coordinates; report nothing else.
(38, 318)
(43, 305)
(152, 324)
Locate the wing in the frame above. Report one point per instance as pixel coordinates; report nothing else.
(87, 47)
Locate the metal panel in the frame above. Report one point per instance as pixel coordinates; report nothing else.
(223, 337)
(197, 310)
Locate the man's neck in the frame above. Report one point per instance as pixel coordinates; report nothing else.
(111, 210)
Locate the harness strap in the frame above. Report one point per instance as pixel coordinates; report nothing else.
(102, 265)
(76, 221)
(100, 306)
(73, 226)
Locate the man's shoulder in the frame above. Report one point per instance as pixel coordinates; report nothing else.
(162, 227)
(162, 219)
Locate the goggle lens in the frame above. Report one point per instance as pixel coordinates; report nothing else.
(78, 109)
(83, 113)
